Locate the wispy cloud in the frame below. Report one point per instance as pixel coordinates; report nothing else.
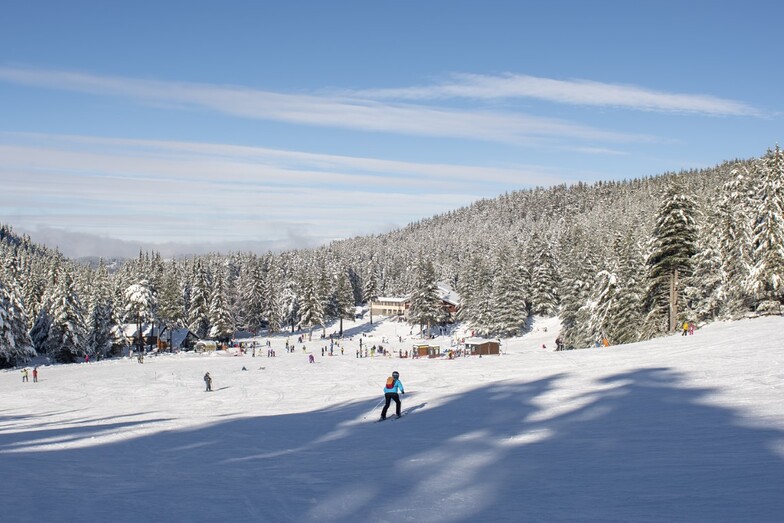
(203, 193)
(573, 92)
(198, 161)
(367, 111)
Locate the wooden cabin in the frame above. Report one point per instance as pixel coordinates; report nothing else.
(424, 350)
(482, 347)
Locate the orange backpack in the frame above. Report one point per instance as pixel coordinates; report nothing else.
(390, 382)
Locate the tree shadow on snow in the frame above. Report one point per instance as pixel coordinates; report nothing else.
(641, 448)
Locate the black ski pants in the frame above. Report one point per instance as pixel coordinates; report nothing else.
(388, 397)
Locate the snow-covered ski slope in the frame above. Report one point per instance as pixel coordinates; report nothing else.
(675, 429)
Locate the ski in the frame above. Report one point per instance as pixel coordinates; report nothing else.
(387, 418)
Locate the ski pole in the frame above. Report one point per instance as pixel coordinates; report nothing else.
(374, 408)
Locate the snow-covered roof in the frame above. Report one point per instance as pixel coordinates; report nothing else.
(480, 341)
(130, 330)
(445, 292)
(393, 299)
(448, 294)
(178, 336)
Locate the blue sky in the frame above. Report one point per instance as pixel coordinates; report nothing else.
(191, 126)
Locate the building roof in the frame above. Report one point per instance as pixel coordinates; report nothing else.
(445, 292)
(178, 336)
(480, 341)
(392, 299)
(448, 294)
(130, 330)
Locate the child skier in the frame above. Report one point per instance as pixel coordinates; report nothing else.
(208, 382)
(391, 389)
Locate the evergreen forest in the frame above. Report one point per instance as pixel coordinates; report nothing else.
(622, 260)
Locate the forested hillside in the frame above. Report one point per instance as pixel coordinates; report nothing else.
(622, 260)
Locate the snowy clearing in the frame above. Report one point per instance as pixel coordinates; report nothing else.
(675, 429)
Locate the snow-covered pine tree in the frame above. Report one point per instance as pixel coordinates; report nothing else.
(344, 298)
(66, 339)
(673, 245)
(290, 300)
(604, 300)
(39, 333)
(580, 269)
(33, 286)
(101, 328)
(475, 287)
(426, 305)
(171, 305)
(199, 311)
(766, 279)
(544, 276)
(326, 291)
(370, 288)
(253, 294)
(509, 299)
(616, 303)
(704, 287)
(221, 322)
(232, 290)
(154, 272)
(273, 310)
(43, 322)
(140, 305)
(16, 347)
(626, 310)
(312, 305)
(734, 243)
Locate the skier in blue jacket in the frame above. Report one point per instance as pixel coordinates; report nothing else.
(393, 385)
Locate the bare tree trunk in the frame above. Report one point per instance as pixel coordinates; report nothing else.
(674, 299)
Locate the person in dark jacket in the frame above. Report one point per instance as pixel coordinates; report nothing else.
(208, 382)
(391, 389)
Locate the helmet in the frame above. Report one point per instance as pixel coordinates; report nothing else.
(396, 374)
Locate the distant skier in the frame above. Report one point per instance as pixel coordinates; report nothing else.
(208, 382)
(685, 328)
(25, 376)
(393, 385)
(35, 375)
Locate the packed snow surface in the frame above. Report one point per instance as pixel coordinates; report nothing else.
(674, 429)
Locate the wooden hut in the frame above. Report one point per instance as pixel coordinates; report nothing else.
(482, 347)
(427, 351)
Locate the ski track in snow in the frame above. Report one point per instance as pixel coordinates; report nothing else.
(674, 429)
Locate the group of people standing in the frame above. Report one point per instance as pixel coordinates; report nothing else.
(688, 328)
(26, 375)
